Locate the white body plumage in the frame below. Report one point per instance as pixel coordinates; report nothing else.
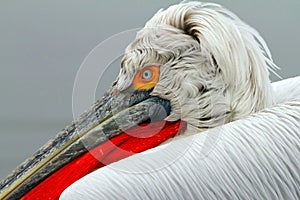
(254, 158)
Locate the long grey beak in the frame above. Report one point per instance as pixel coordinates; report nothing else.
(115, 112)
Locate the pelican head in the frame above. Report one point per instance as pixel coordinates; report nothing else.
(193, 62)
(213, 66)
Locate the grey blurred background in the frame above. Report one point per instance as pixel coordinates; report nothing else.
(43, 43)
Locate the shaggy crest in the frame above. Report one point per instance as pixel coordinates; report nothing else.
(214, 68)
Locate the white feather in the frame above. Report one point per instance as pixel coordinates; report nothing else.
(254, 158)
(212, 64)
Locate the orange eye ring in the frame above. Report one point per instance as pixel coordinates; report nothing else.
(146, 78)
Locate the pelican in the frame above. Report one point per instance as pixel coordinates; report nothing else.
(201, 75)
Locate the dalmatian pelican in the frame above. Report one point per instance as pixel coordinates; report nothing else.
(201, 75)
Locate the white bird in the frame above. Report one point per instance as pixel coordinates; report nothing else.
(206, 67)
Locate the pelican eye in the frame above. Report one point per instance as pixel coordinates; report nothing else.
(146, 78)
(147, 74)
